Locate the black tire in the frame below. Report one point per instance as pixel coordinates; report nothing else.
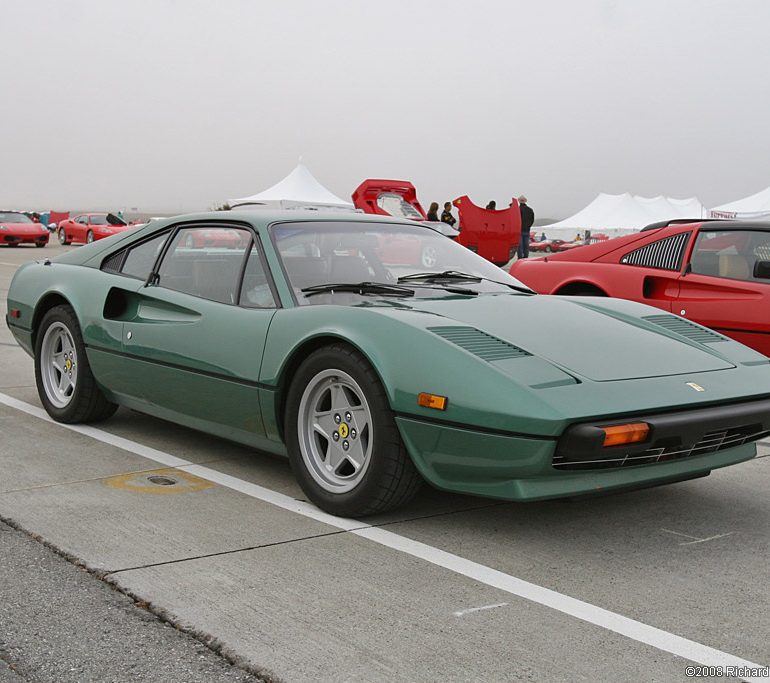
(89, 237)
(63, 237)
(40, 245)
(389, 478)
(86, 402)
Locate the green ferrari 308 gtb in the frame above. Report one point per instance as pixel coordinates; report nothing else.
(376, 354)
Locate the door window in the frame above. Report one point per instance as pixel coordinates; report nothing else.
(206, 261)
(730, 254)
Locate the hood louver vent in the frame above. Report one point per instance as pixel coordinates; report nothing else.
(479, 343)
(674, 323)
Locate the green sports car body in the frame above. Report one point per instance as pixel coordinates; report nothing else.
(326, 338)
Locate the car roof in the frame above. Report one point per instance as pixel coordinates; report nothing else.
(723, 224)
(268, 216)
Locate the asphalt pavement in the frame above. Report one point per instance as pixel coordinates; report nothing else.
(630, 587)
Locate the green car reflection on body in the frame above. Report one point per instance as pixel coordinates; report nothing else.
(377, 354)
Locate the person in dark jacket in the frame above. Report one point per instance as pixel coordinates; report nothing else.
(527, 219)
(492, 206)
(433, 212)
(446, 215)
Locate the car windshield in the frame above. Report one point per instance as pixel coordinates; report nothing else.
(344, 253)
(98, 219)
(10, 217)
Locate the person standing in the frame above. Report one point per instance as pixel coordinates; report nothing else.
(527, 219)
(433, 212)
(446, 215)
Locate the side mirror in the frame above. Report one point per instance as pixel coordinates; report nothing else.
(762, 270)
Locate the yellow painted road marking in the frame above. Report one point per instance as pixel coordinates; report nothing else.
(140, 482)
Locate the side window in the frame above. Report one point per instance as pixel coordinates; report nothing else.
(665, 254)
(256, 291)
(139, 260)
(83, 220)
(730, 254)
(205, 261)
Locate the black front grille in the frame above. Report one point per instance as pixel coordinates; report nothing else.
(711, 443)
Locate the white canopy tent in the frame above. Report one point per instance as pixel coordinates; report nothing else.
(298, 190)
(620, 214)
(756, 206)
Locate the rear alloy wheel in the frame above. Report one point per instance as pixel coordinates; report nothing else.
(63, 237)
(89, 237)
(342, 438)
(65, 384)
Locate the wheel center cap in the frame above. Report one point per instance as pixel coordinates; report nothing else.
(344, 430)
(68, 365)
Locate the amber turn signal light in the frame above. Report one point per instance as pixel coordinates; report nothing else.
(432, 401)
(617, 435)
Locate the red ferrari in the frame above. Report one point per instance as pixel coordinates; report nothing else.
(549, 246)
(87, 227)
(714, 273)
(16, 229)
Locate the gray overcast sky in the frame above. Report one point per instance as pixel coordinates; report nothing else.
(175, 105)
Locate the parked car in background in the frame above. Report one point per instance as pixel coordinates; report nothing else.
(552, 246)
(715, 273)
(89, 227)
(373, 375)
(17, 228)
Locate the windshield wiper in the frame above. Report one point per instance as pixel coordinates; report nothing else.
(443, 275)
(382, 288)
(457, 275)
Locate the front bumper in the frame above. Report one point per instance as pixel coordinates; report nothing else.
(24, 239)
(674, 435)
(520, 468)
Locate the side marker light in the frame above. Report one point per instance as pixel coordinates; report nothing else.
(14, 313)
(432, 401)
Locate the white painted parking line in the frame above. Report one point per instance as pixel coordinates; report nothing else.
(694, 539)
(471, 610)
(611, 621)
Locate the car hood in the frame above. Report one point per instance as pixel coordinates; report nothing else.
(584, 337)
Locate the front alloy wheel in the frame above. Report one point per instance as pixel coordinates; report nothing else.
(341, 436)
(335, 431)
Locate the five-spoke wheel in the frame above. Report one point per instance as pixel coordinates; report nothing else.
(342, 438)
(65, 383)
(58, 364)
(335, 430)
